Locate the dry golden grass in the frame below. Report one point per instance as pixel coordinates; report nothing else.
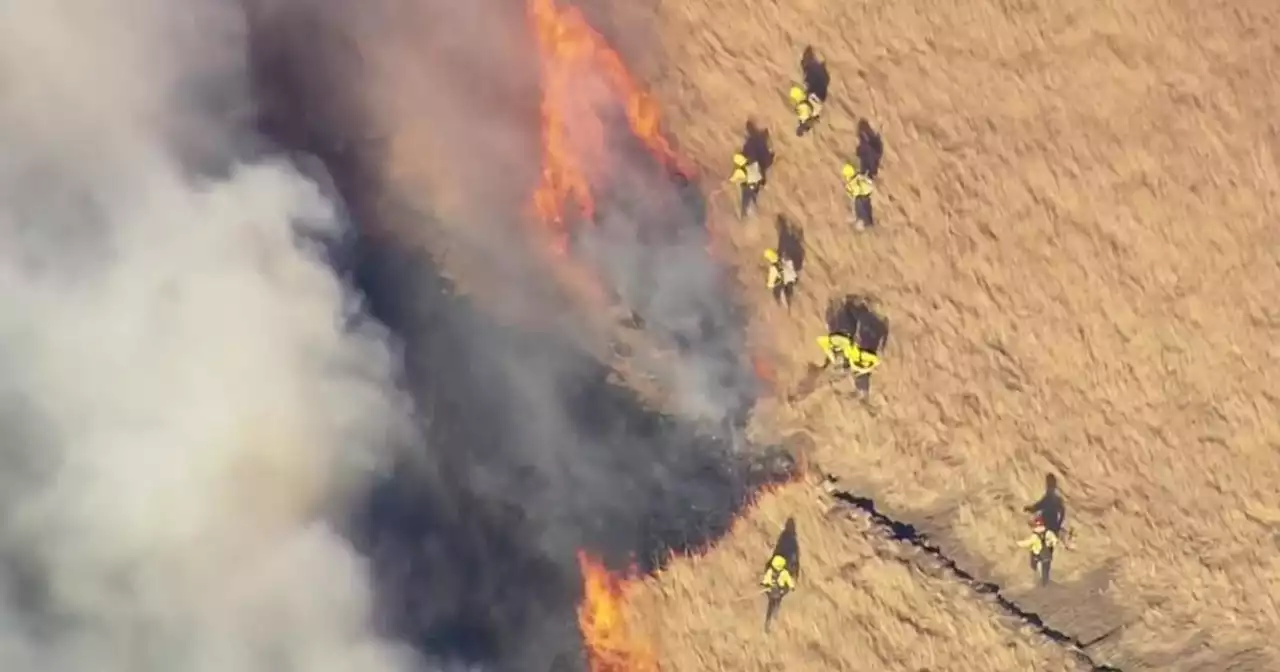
(865, 603)
(1077, 238)
(1077, 235)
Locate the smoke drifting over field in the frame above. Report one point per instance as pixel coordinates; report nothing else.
(534, 450)
(181, 405)
(198, 413)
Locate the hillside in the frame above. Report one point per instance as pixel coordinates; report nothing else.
(1076, 238)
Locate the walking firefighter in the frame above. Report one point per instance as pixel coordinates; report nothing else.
(808, 109)
(859, 186)
(748, 175)
(782, 276)
(1041, 545)
(777, 584)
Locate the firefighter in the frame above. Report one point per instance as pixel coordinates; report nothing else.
(782, 277)
(1041, 545)
(747, 174)
(859, 187)
(843, 354)
(777, 583)
(808, 109)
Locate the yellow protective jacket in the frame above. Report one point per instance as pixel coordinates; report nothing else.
(860, 185)
(779, 579)
(749, 174)
(809, 108)
(1039, 542)
(841, 350)
(781, 272)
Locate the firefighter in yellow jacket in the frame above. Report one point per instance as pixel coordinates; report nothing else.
(750, 178)
(777, 583)
(808, 109)
(1041, 545)
(844, 354)
(859, 186)
(782, 276)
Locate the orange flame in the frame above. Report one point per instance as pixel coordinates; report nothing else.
(576, 62)
(583, 82)
(764, 370)
(609, 644)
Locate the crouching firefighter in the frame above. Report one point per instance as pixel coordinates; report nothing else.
(1041, 545)
(808, 108)
(859, 186)
(748, 176)
(782, 277)
(777, 583)
(843, 354)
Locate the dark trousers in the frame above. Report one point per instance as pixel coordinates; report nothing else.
(775, 601)
(862, 211)
(782, 293)
(862, 382)
(805, 126)
(1042, 564)
(750, 192)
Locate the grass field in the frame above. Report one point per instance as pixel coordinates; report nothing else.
(1076, 238)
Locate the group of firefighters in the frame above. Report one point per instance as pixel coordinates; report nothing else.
(844, 347)
(1047, 536)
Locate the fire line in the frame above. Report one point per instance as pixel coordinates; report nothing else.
(610, 645)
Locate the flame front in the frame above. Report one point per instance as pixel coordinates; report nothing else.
(582, 77)
(610, 646)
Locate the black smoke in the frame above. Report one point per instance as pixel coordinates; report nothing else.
(533, 447)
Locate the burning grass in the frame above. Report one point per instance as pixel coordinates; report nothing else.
(444, 538)
(585, 87)
(583, 79)
(606, 614)
(610, 644)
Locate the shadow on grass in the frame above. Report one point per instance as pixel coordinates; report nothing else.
(758, 146)
(854, 316)
(788, 546)
(817, 78)
(1050, 505)
(790, 242)
(870, 149)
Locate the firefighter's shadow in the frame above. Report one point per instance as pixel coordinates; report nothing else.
(1051, 505)
(856, 317)
(870, 149)
(790, 243)
(758, 147)
(817, 78)
(788, 546)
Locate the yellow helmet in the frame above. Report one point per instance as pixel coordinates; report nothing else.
(848, 171)
(797, 94)
(778, 563)
(739, 160)
(771, 256)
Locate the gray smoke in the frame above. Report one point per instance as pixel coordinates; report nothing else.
(535, 448)
(188, 395)
(456, 91)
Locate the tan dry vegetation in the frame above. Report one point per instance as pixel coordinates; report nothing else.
(866, 603)
(1077, 241)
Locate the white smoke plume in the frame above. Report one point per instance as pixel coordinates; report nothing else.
(185, 405)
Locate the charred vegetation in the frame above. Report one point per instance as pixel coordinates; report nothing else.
(528, 451)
